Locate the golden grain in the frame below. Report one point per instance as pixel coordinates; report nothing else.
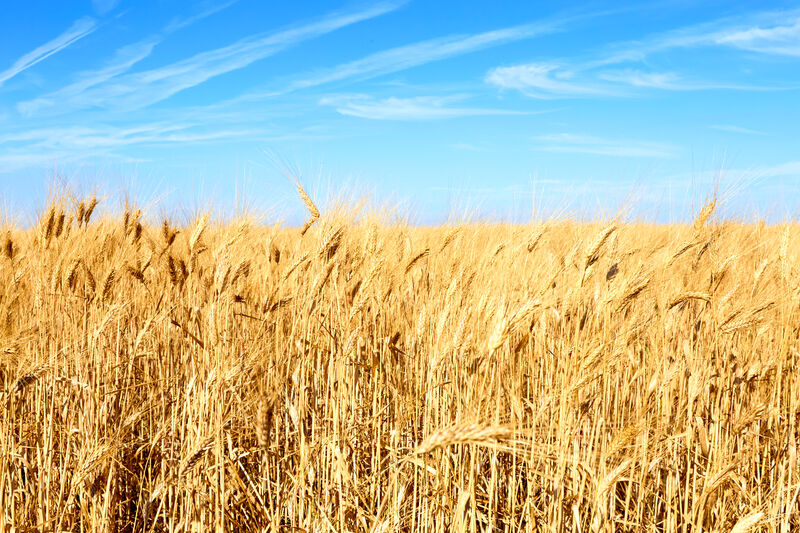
(380, 376)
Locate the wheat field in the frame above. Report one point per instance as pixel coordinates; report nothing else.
(363, 375)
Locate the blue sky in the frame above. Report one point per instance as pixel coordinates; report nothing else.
(441, 107)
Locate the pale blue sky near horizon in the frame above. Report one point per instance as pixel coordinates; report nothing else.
(441, 108)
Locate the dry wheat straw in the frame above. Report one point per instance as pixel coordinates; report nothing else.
(565, 403)
(8, 247)
(108, 286)
(193, 458)
(415, 259)
(197, 234)
(312, 209)
(690, 295)
(747, 523)
(469, 433)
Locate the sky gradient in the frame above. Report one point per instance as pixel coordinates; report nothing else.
(445, 108)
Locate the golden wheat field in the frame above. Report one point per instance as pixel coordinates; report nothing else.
(363, 375)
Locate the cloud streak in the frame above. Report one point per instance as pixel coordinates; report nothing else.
(79, 29)
(736, 129)
(776, 40)
(179, 23)
(585, 144)
(408, 56)
(416, 108)
(610, 75)
(141, 89)
(405, 57)
(104, 6)
(547, 81)
(40, 148)
(544, 80)
(123, 60)
(776, 33)
(96, 137)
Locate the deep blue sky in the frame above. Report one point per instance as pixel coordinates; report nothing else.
(468, 106)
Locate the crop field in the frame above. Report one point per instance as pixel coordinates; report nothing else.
(359, 374)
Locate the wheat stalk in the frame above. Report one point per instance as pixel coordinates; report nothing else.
(108, 285)
(704, 214)
(193, 458)
(747, 523)
(690, 295)
(312, 209)
(197, 233)
(468, 433)
(416, 258)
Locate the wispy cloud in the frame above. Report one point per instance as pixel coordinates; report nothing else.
(607, 73)
(783, 174)
(179, 22)
(45, 147)
(539, 80)
(671, 81)
(544, 80)
(79, 29)
(787, 169)
(123, 60)
(107, 136)
(33, 159)
(772, 32)
(140, 89)
(60, 100)
(638, 78)
(585, 144)
(736, 129)
(102, 7)
(412, 55)
(38, 148)
(778, 39)
(14, 161)
(417, 108)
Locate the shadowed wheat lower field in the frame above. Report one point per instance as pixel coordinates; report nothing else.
(358, 375)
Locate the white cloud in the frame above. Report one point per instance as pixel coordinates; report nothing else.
(417, 108)
(545, 80)
(736, 129)
(767, 32)
(96, 137)
(669, 81)
(638, 78)
(585, 144)
(44, 147)
(783, 170)
(124, 59)
(404, 57)
(738, 179)
(179, 23)
(79, 29)
(777, 40)
(59, 101)
(15, 161)
(37, 148)
(140, 89)
(104, 6)
(542, 80)
(778, 33)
